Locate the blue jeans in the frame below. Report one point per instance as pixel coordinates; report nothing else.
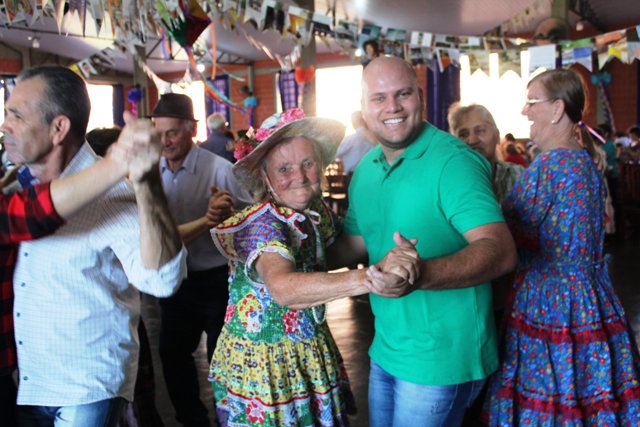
(398, 403)
(104, 413)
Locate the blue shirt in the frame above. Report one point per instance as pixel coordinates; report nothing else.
(353, 148)
(188, 190)
(75, 312)
(216, 143)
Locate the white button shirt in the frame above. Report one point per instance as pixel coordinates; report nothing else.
(75, 314)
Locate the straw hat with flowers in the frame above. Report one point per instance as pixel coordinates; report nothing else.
(325, 134)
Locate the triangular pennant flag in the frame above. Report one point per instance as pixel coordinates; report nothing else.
(543, 56)
(478, 60)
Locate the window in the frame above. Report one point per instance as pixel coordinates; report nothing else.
(502, 95)
(338, 93)
(221, 83)
(195, 91)
(101, 97)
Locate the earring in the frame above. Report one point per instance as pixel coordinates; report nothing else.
(553, 122)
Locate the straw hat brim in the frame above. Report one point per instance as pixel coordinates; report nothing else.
(325, 133)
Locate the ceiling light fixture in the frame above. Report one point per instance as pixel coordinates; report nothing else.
(35, 41)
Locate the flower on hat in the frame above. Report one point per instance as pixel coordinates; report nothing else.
(274, 122)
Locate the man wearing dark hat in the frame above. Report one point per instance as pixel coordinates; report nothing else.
(201, 191)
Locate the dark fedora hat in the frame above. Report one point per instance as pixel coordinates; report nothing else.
(174, 105)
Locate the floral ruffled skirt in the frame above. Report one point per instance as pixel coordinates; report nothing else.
(286, 383)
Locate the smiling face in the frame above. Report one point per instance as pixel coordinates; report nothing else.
(293, 170)
(478, 134)
(26, 137)
(540, 111)
(391, 103)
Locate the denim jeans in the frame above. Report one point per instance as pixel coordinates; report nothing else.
(104, 413)
(397, 403)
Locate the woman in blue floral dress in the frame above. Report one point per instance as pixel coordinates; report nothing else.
(569, 357)
(276, 363)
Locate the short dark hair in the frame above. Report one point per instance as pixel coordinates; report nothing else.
(373, 44)
(634, 130)
(605, 129)
(65, 94)
(100, 139)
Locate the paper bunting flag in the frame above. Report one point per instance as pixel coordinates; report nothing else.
(195, 21)
(368, 32)
(603, 42)
(577, 52)
(78, 7)
(97, 13)
(634, 51)
(253, 13)
(478, 60)
(346, 34)
(418, 55)
(322, 25)
(441, 40)
(470, 43)
(274, 16)
(210, 88)
(494, 44)
(87, 69)
(542, 57)
(393, 41)
(509, 60)
(421, 39)
(446, 57)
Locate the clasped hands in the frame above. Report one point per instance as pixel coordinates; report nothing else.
(138, 149)
(396, 273)
(220, 206)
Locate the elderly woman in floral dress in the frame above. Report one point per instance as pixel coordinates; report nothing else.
(276, 362)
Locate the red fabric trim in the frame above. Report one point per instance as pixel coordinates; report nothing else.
(580, 410)
(558, 335)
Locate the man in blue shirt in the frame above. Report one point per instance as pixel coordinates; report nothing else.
(218, 139)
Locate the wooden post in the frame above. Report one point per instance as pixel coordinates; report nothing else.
(307, 59)
(140, 79)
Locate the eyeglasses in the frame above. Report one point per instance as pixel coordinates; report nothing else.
(532, 102)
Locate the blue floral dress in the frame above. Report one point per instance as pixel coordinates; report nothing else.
(275, 366)
(569, 357)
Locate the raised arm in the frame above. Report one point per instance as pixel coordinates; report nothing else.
(36, 212)
(159, 238)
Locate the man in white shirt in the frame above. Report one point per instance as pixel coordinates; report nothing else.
(75, 312)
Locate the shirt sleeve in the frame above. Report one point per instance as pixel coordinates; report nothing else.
(264, 234)
(119, 229)
(466, 193)
(27, 215)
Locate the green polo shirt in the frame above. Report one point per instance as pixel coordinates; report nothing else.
(436, 190)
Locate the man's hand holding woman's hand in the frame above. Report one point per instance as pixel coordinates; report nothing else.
(396, 273)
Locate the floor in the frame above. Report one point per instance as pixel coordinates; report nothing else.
(351, 322)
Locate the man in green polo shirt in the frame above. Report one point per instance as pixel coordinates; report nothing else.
(435, 340)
